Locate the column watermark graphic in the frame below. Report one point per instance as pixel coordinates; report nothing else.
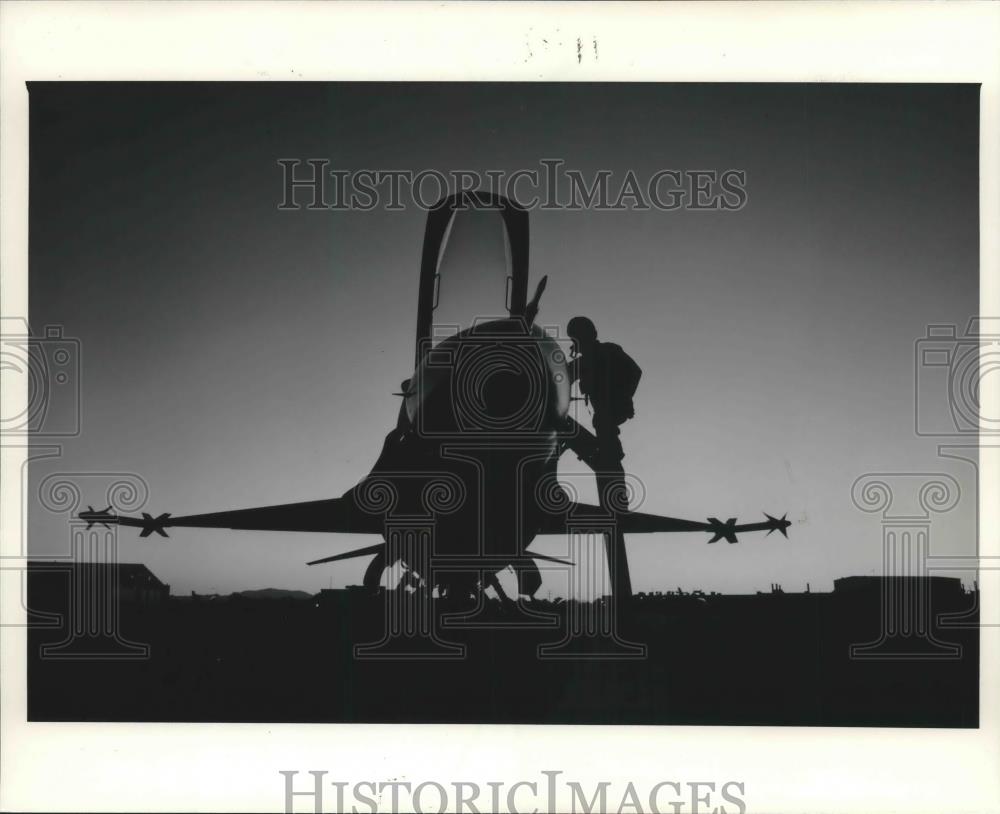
(906, 503)
(411, 504)
(95, 580)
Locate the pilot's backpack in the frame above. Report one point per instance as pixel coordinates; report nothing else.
(623, 380)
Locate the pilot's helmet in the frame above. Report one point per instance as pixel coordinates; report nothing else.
(582, 330)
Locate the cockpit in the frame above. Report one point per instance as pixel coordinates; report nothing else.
(474, 267)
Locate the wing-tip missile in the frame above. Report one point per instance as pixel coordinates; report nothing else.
(723, 531)
(728, 530)
(92, 517)
(151, 524)
(778, 525)
(147, 522)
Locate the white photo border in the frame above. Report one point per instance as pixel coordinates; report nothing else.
(227, 767)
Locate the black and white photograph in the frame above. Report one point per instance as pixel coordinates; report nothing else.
(627, 375)
(558, 404)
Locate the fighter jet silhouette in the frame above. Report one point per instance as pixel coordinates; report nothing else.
(467, 478)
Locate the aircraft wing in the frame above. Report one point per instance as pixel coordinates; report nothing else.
(333, 515)
(580, 515)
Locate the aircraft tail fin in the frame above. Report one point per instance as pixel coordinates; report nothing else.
(367, 551)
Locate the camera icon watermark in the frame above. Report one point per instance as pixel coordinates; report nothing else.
(50, 367)
(950, 374)
(499, 379)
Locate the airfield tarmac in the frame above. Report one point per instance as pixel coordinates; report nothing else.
(766, 659)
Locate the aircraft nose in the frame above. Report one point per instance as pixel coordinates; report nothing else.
(500, 388)
(506, 392)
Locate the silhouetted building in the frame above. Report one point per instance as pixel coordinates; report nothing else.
(136, 583)
(335, 597)
(50, 583)
(942, 587)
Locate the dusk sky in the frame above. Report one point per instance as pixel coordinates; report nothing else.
(235, 355)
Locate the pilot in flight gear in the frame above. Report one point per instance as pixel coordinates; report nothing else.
(608, 378)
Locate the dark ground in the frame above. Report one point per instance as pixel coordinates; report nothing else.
(774, 659)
